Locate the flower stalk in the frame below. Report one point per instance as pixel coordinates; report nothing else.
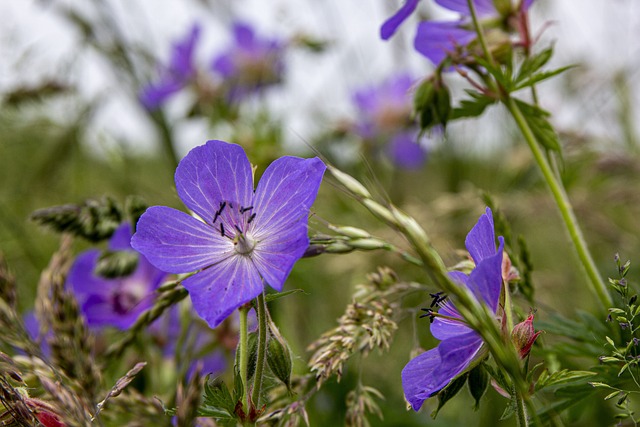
(564, 205)
(261, 309)
(243, 349)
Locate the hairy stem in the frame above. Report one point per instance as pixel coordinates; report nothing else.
(564, 205)
(243, 348)
(262, 348)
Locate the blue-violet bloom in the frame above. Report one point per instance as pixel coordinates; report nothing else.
(176, 75)
(118, 301)
(244, 238)
(460, 346)
(438, 39)
(250, 63)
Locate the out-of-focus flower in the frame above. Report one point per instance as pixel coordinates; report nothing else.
(244, 239)
(384, 112)
(250, 63)
(438, 40)
(524, 335)
(460, 346)
(33, 329)
(118, 301)
(174, 76)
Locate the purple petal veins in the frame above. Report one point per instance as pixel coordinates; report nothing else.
(243, 239)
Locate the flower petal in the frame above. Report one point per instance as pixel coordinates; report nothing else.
(275, 256)
(284, 195)
(178, 243)
(121, 238)
(417, 378)
(481, 240)
(81, 277)
(155, 94)
(405, 151)
(391, 25)
(437, 39)
(182, 64)
(214, 173)
(482, 7)
(217, 291)
(485, 281)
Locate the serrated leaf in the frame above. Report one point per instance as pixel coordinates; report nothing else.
(217, 397)
(532, 64)
(473, 106)
(509, 410)
(564, 376)
(541, 76)
(536, 118)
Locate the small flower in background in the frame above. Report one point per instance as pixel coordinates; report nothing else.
(244, 239)
(524, 335)
(385, 120)
(176, 75)
(250, 63)
(460, 346)
(33, 329)
(118, 301)
(439, 40)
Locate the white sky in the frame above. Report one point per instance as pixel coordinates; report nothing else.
(35, 42)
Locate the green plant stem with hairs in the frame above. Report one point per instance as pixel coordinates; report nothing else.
(555, 185)
(243, 349)
(261, 309)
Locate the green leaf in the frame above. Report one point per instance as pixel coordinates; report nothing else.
(472, 107)
(532, 64)
(564, 376)
(536, 118)
(217, 398)
(543, 75)
(448, 392)
(478, 383)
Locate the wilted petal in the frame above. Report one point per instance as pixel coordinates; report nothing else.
(217, 291)
(178, 243)
(391, 25)
(481, 240)
(436, 40)
(275, 256)
(214, 173)
(284, 195)
(482, 7)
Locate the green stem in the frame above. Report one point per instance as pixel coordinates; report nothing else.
(166, 138)
(508, 313)
(244, 355)
(262, 348)
(521, 410)
(562, 200)
(479, 32)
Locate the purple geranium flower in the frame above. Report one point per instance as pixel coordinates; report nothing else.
(244, 238)
(250, 63)
(176, 75)
(438, 39)
(385, 108)
(405, 150)
(113, 302)
(460, 346)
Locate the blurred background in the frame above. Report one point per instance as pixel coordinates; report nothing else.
(76, 122)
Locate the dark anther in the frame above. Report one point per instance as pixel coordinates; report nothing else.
(438, 297)
(251, 218)
(428, 313)
(222, 229)
(219, 211)
(243, 210)
(237, 228)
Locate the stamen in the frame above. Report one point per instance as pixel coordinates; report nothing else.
(438, 298)
(243, 210)
(219, 211)
(251, 218)
(237, 228)
(222, 229)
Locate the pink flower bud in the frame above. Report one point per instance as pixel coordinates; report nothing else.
(523, 336)
(45, 413)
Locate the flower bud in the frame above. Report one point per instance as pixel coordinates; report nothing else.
(523, 336)
(45, 413)
(279, 359)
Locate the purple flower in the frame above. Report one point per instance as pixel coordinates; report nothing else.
(176, 75)
(460, 346)
(439, 39)
(113, 302)
(244, 238)
(250, 63)
(405, 150)
(385, 108)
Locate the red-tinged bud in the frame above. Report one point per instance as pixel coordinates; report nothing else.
(45, 413)
(523, 336)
